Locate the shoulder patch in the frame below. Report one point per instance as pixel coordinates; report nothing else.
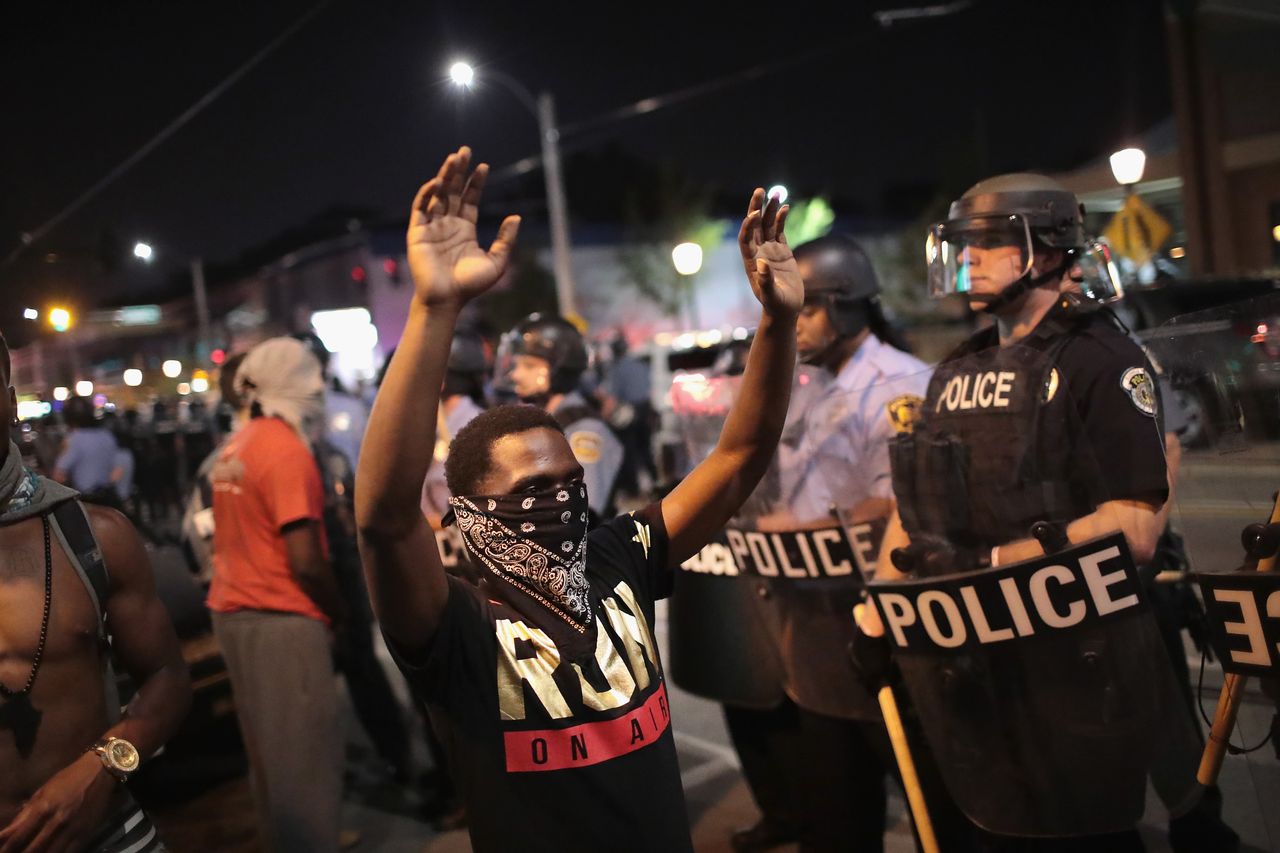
(1051, 385)
(586, 446)
(904, 411)
(1137, 384)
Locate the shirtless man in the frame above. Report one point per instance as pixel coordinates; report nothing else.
(56, 792)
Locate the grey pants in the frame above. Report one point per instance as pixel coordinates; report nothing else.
(282, 676)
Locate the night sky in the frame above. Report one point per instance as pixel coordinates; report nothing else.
(354, 111)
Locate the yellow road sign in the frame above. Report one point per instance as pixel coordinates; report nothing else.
(1137, 231)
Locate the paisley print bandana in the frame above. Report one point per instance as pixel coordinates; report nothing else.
(536, 542)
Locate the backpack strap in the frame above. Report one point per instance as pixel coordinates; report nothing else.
(71, 525)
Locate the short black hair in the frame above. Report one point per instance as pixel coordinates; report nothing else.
(5, 365)
(227, 380)
(470, 455)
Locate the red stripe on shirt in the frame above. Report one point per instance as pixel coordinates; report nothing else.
(589, 743)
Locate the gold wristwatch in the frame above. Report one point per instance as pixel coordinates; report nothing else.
(117, 755)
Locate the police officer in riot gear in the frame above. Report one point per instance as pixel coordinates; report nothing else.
(1015, 247)
(547, 359)
(1044, 422)
(837, 475)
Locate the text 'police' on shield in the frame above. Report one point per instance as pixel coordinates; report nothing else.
(1065, 590)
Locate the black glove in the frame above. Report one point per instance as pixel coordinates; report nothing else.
(872, 660)
(929, 555)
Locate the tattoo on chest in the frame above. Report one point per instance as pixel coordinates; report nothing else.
(19, 564)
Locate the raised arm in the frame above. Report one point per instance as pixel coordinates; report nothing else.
(714, 491)
(406, 580)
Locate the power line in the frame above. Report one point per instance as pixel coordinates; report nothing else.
(29, 238)
(884, 20)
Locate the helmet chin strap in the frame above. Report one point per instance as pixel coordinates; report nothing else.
(819, 356)
(1023, 285)
(539, 399)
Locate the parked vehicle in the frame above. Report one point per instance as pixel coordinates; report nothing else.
(1233, 322)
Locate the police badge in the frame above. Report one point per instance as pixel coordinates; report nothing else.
(1137, 384)
(904, 411)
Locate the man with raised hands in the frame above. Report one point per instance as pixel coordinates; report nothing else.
(545, 681)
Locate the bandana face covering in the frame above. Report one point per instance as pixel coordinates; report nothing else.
(535, 542)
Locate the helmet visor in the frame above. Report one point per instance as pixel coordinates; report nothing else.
(1095, 273)
(981, 255)
(504, 360)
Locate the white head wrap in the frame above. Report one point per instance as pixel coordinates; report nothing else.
(283, 377)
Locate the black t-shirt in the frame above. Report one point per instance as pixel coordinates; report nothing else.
(566, 744)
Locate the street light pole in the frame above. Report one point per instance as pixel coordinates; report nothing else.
(557, 207)
(544, 110)
(200, 296)
(202, 307)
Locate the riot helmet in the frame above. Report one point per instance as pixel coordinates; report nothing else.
(465, 370)
(986, 247)
(839, 278)
(554, 341)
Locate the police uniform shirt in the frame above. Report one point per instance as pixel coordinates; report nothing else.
(345, 420)
(1108, 379)
(597, 449)
(843, 457)
(561, 741)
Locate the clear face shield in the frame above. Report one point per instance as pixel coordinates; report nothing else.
(503, 361)
(978, 256)
(1094, 272)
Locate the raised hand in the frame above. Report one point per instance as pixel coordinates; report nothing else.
(766, 257)
(447, 263)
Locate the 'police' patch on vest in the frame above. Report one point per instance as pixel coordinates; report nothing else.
(904, 411)
(1058, 592)
(1137, 384)
(988, 390)
(586, 447)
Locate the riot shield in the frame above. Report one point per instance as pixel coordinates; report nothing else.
(719, 647)
(801, 545)
(1222, 367)
(1038, 682)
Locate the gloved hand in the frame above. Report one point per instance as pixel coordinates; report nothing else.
(929, 555)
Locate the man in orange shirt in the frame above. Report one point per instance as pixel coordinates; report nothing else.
(275, 599)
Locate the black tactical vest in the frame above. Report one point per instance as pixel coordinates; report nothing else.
(999, 445)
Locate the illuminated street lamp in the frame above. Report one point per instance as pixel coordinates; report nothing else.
(184, 388)
(60, 319)
(61, 393)
(687, 257)
(146, 252)
(462, 74)
(1128, 165)
(30, 314)
(133, 377)
(84, 388)
(172, 368)
(199, 385)
(543, 108)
